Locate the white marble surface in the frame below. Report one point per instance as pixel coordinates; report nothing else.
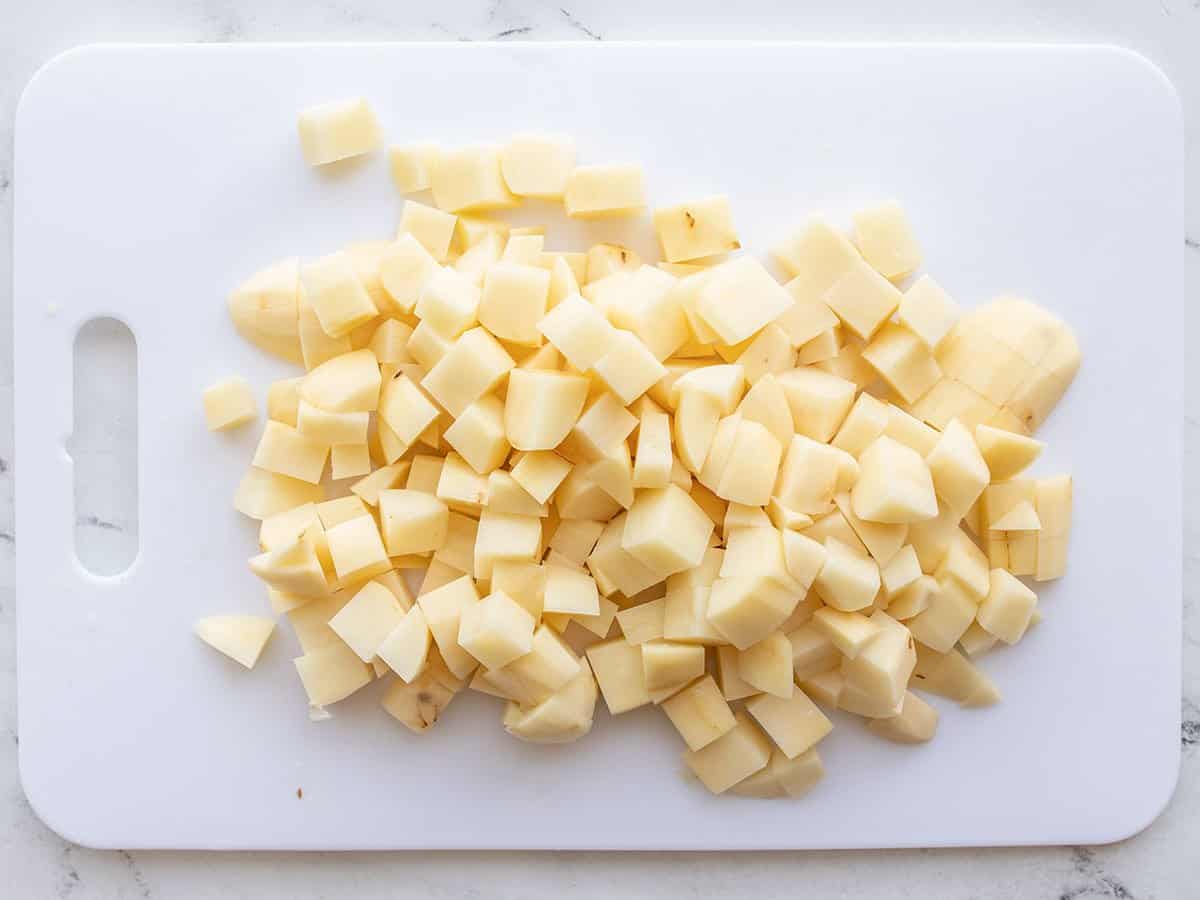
(1161, 862)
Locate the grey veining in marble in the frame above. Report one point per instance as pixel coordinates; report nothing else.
(1162, 862)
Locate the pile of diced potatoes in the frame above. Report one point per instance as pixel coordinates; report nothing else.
(682, 483)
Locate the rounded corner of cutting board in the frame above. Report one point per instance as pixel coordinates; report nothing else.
(49, 806)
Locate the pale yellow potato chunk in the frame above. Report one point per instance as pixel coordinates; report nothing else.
(617, 665)
(894, 485)
(903, 361)
(767, 665)
(916, 724)
(794, 723)
(666, 530)
(514, 301)
(412, 521)
(366, 621)
(412, 165)
(738, 297)
(468, 179)
(432, 227)
(443, 608)
(285, 451)
(241, 638)
(541, 473)
(604, 190)
(847, 581)
(334, 292)
(541, 407)
(733, 757)
(700, 713)
(474, 365)
(1008, 607)
(449, 304)
(330, 132)
(697, 229)
(478, 434)
(229, 403)
(331, 673)
(666, 664)
(406, 649)
(928, 312)
(538, 165)
(863, 300)
(885, 238)
(496, 630)
(819, 401)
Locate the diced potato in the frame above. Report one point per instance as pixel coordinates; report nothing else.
(333, 291)
(916, 724)
(330, 428)
(366, 621)
(505, 536)
(881, 669)
(783, 777)
(538, 165)
(412, 521)
(449, 304)
(950, 612)
(666, 664)
(902, 570)
(411, 166)
(570, 591)
(883, 541)
(514, 301)
(241, 638)
(334, 131)
(928, 312)
(739, 297)
(1008, 607)
(265, 310)
(767, 665)
(604, 190)
(894, 484)
(469, 179)
(506, 496)
(816, 257)
(342, 509)
(228, 403)
(1053, 504)
(357, 549)
(541, 407)
(404, 271)
(581, 498)
(1007, 454)
(847, 581)
(283, 400)
(406, 648)
(643, 622)
(496, 630)
(813, 652)
(419, 704)
(349, 460)
(976, 641)
(863, 300)
(461, 488)
(794, 723)
(952, 675)
(541, 473)
(564, 716)
(958, 468)
(580, 332)
(666, 530)
(443, 608)
(685, 610)
(474, 365)
(819, 402)
(478, 434)
(850, 632)
(627, 367)
(617, 665)
(733, 757)
(745, 609)
(966, 564)
(748, 477)
(331, 673)
(903, 361)
(699, 713)
(825, 688)
(886, 240)
(695, 230)
(285, 451)
(432, 227)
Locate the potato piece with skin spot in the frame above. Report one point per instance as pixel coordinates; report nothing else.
(541, 407)
(696, 230)
(604, 190)
(767, 665)
(619, 673)
(241, 638)
(739, 297)
(916, 724)
(460, 487)
(819, 402)
(894, 485)
(731, 758)
(419, 705)
(885, 238)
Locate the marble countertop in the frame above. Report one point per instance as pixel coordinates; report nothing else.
(1159, 863)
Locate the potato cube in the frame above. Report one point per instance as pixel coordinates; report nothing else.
(545, 669)
(950, 612)
(449, 303)
(754, 551)
(432, 227)
(367, 620)
(643, 622)
(695, 230)
(349, 460)
(404, 271)
(344, 384)
(902, 570)
(739, 297)
(241, 638)
(474, 366)
(850, 632)
(794, 722)
(627, 367)
(504, 536)
(496, 630)
(928, 312)
(783, 777)
(882, 541)
(685, 607)
(808, 476)
(580, 498)
(513, 302)
(699, 713)
(916, 724)
(541, 473)
(1053, 504)
(469, 179)
(618, 669)
(564, 716)
(334, 131)
(506, 496)
(541, 407)
(652, 461)
(733, 757)
(443, 608)
(894, 485)
(285, 451)
(881, 669)
(812, 651)
(411, 166)
(903, 361)
(803, 557)
(570, 591)
(1006, 454)
(335, 294)
(1008, 607)
(357, 548)
(406, 649)
(283, 400)
(819, 401)
(606, 190)
(745, 609)
(315, 345)
(331, 673)
(580, 332)
(478, 434)
(229, 403)
(461, 488)
(825, 688)
(666, 664)
(959, 470)
(867, 420)
(666, 530)
(331, 428)
(847, 581)
(412, 521)
(418, 705)
(767, 665)
(538, 165)
(749, 475)
(976, 641)
(815, 257)
(886, 240)
(863, 300)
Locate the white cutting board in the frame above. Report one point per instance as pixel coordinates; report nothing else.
(151, 179)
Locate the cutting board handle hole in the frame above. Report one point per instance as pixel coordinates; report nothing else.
(103, 446)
